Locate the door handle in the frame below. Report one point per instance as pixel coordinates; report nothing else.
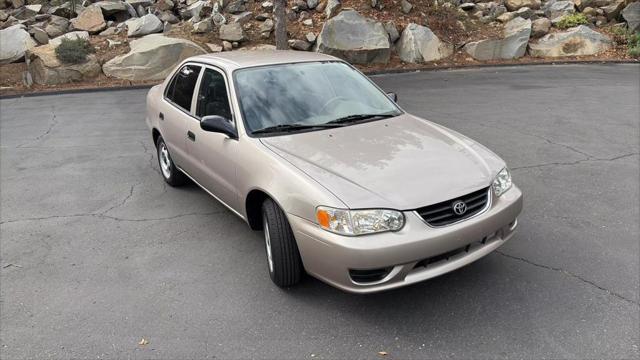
(191, 136)
(161, 116)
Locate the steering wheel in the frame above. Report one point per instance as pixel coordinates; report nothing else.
(331, 101)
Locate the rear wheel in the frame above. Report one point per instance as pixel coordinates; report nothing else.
(168, 169)
(283, 257)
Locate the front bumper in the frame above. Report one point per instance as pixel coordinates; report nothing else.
(329, 256)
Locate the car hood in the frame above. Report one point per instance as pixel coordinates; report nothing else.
(403, 162)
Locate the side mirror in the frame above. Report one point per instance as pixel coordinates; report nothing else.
(393, 96)
(218, 124)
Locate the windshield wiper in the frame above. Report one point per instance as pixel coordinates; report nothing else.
(359, 117)
(293, 127)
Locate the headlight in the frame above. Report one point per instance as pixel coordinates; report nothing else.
(359, 222)
(502, 182)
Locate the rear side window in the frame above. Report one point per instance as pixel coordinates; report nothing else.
(180, 90)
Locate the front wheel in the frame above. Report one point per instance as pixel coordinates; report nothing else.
(283, 257)
(168, 169)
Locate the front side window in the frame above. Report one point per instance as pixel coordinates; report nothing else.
(212, 96)
(180, 90)
(307, 96)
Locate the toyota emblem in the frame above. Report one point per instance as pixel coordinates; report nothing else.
(459, 207)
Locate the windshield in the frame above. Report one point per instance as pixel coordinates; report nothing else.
(308, 96)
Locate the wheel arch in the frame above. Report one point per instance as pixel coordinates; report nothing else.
(253, 207)
(155, 133)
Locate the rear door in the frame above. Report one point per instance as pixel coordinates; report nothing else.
(214, 155)
(176, 109)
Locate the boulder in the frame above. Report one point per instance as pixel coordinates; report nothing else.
(242, 18)
(145, 25)
(110, 31)
(27, 12)
(90, 19)
(332, 8)
(15, 41)
(613, 11)
(301, 45)
(583, 4)
(267, 26)
(524, 12)
(405, 6)
(311, 37)
(151, 57)
(419, 44)
(540, 27)
(468, 6)
(70, 35)
(200, 27)
(168, 17)
(46, 69)
(513, 5)
(299, 5)
(354, 38)
(392, 30)
(236, 7)
(512, 45)
(232, 32)
(631, 14)
(580, 40)
(136, 3)
(40, 35)
(111, 7)
(57, 26)
(556, 9)
(165, 5)
(267, 6)
(140, 11)
(214, 48)
(66, 10)
(218, 19)
(506, 17)
(199, 8)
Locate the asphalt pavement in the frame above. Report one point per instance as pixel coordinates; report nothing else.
(97, 253)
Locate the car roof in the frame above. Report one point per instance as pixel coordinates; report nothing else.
(238, 59)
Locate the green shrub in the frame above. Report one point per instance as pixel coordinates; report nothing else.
(619, 30)
(73, 51)
(633, 44)
(571, 20)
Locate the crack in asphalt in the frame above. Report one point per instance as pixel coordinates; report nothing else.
(569, 147)
(570, 274)
(151, 157)
(124, 201)
(104, 216)
(569, 163)
(52, 124)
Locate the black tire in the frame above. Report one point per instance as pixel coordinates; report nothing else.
(285, 268)
(169, 171)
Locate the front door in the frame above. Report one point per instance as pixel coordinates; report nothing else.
(212, 154)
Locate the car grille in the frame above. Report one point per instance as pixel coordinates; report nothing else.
(442, 213)
(455, 253)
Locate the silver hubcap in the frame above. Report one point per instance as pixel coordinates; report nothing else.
(165, 160)
(267, 241)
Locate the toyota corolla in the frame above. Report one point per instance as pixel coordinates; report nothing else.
(345, 185)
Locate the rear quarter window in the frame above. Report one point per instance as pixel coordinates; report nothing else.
(181, 87)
